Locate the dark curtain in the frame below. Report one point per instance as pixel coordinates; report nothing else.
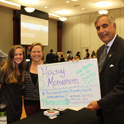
(59, 36)
(16, 27)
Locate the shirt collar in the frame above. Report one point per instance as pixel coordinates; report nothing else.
(111, 42)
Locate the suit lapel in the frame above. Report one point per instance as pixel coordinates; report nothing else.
(111, 52)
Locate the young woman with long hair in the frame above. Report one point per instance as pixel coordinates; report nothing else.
(12, 83)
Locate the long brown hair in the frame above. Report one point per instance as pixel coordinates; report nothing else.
(8, 71)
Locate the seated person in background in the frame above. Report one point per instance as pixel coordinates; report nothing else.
(93, 55)
(62, 57)
(77, 57)
(31, 95)
(68, 53)
(29, 56)
(69, 56)
(56, 57)
(50, 57)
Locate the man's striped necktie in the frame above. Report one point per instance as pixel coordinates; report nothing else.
(102, 58)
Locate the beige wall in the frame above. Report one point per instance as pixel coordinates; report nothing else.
(79, 32)
(52, 40)
(6, 29)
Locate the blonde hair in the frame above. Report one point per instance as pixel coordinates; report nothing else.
(37, 43)
(8, 71)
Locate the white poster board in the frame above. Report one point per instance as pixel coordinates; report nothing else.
(68, 84)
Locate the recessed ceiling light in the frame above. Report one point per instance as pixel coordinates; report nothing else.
(103, 12)
(67, 1)
(103, 4)
(45, 7)
(83, 8)
(63, 12)
(74, 0)
(29, 9)
(62, 18)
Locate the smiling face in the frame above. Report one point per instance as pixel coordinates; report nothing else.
(36, 53)
(105, 30)
(18, 56)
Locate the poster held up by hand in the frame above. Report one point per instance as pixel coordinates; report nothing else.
(68, 84)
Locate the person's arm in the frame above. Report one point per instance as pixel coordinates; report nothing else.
(93, 106)
(2, 54)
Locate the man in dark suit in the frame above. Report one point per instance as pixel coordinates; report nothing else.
(50, 58)
(111, 105)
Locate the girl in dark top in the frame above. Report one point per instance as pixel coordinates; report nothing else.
(93, 55)
(31, 96)
(78, 57)
(62, 57)
(11, 83)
